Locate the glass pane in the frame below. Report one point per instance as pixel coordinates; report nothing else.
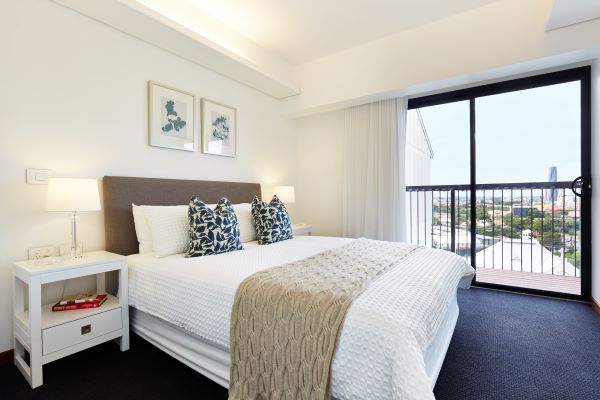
(521, 135)
(437, 145)
(528, 221)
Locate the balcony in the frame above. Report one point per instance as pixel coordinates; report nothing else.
(526, 235)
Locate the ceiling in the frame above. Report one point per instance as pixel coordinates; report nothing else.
(303, 30)
(571, 12)
(262, 43)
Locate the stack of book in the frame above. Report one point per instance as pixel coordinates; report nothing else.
(80, 301)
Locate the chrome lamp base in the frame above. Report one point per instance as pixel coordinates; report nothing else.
(75, 251)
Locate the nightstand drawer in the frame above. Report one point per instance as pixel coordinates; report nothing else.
(71, 333)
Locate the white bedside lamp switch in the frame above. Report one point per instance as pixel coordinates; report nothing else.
(37, 176)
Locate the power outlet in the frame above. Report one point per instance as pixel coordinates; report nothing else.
(36, 253)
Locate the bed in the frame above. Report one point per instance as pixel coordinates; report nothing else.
(183, 305)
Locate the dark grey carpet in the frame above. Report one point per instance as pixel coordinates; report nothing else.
(512, 346)
(506, 346)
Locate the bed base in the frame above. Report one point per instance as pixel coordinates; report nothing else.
(212, 361)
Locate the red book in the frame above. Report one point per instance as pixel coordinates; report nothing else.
(96, 302)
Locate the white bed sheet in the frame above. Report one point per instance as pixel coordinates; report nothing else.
(197, 294)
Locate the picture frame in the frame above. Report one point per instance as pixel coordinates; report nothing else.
(171, 117)
(219, 129)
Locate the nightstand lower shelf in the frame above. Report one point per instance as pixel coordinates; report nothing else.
(52, 318)
(67, 332)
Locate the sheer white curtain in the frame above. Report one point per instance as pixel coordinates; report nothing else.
(374, 154)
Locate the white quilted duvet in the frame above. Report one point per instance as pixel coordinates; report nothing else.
(386, 332)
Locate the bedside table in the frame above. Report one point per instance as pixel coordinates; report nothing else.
(47, 336)
(302, 229)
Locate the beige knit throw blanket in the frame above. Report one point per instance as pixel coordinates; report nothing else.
(286, 320)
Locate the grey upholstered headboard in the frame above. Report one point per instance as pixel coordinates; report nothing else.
(119, 192)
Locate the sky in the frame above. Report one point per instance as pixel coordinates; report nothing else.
(519, 136)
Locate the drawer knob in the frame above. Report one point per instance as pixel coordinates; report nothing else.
(86, 329)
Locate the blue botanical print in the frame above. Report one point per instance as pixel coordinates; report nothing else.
(220, 127)
(174, 122)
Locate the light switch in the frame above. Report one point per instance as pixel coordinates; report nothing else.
(37, 176)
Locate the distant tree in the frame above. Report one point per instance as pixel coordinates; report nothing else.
(574, 257)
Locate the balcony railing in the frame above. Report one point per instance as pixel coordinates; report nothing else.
(528, 227)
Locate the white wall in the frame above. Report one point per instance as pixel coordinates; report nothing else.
(73, 98)
(320, 172)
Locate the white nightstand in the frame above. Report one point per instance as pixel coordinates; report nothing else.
(302, 229)
(47, 335)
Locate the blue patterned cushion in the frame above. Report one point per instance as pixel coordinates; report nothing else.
(271, 221)
(212, 232)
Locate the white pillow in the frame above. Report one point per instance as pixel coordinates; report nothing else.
(169, 228)
(142, 230)
(243, 212)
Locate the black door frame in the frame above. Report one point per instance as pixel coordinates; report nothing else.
(582, 74)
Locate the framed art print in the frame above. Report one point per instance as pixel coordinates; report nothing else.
(171, 118)
(219, 133)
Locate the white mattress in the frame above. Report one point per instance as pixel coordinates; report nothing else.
(378, 348)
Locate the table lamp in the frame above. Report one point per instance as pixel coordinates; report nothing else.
(73, 196)
(286, 194)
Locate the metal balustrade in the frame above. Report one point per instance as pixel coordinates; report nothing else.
(528, 227)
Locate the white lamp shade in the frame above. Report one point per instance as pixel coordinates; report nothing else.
(285, 194)
(69, 194)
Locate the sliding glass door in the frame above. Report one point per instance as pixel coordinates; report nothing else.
(521, 216)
